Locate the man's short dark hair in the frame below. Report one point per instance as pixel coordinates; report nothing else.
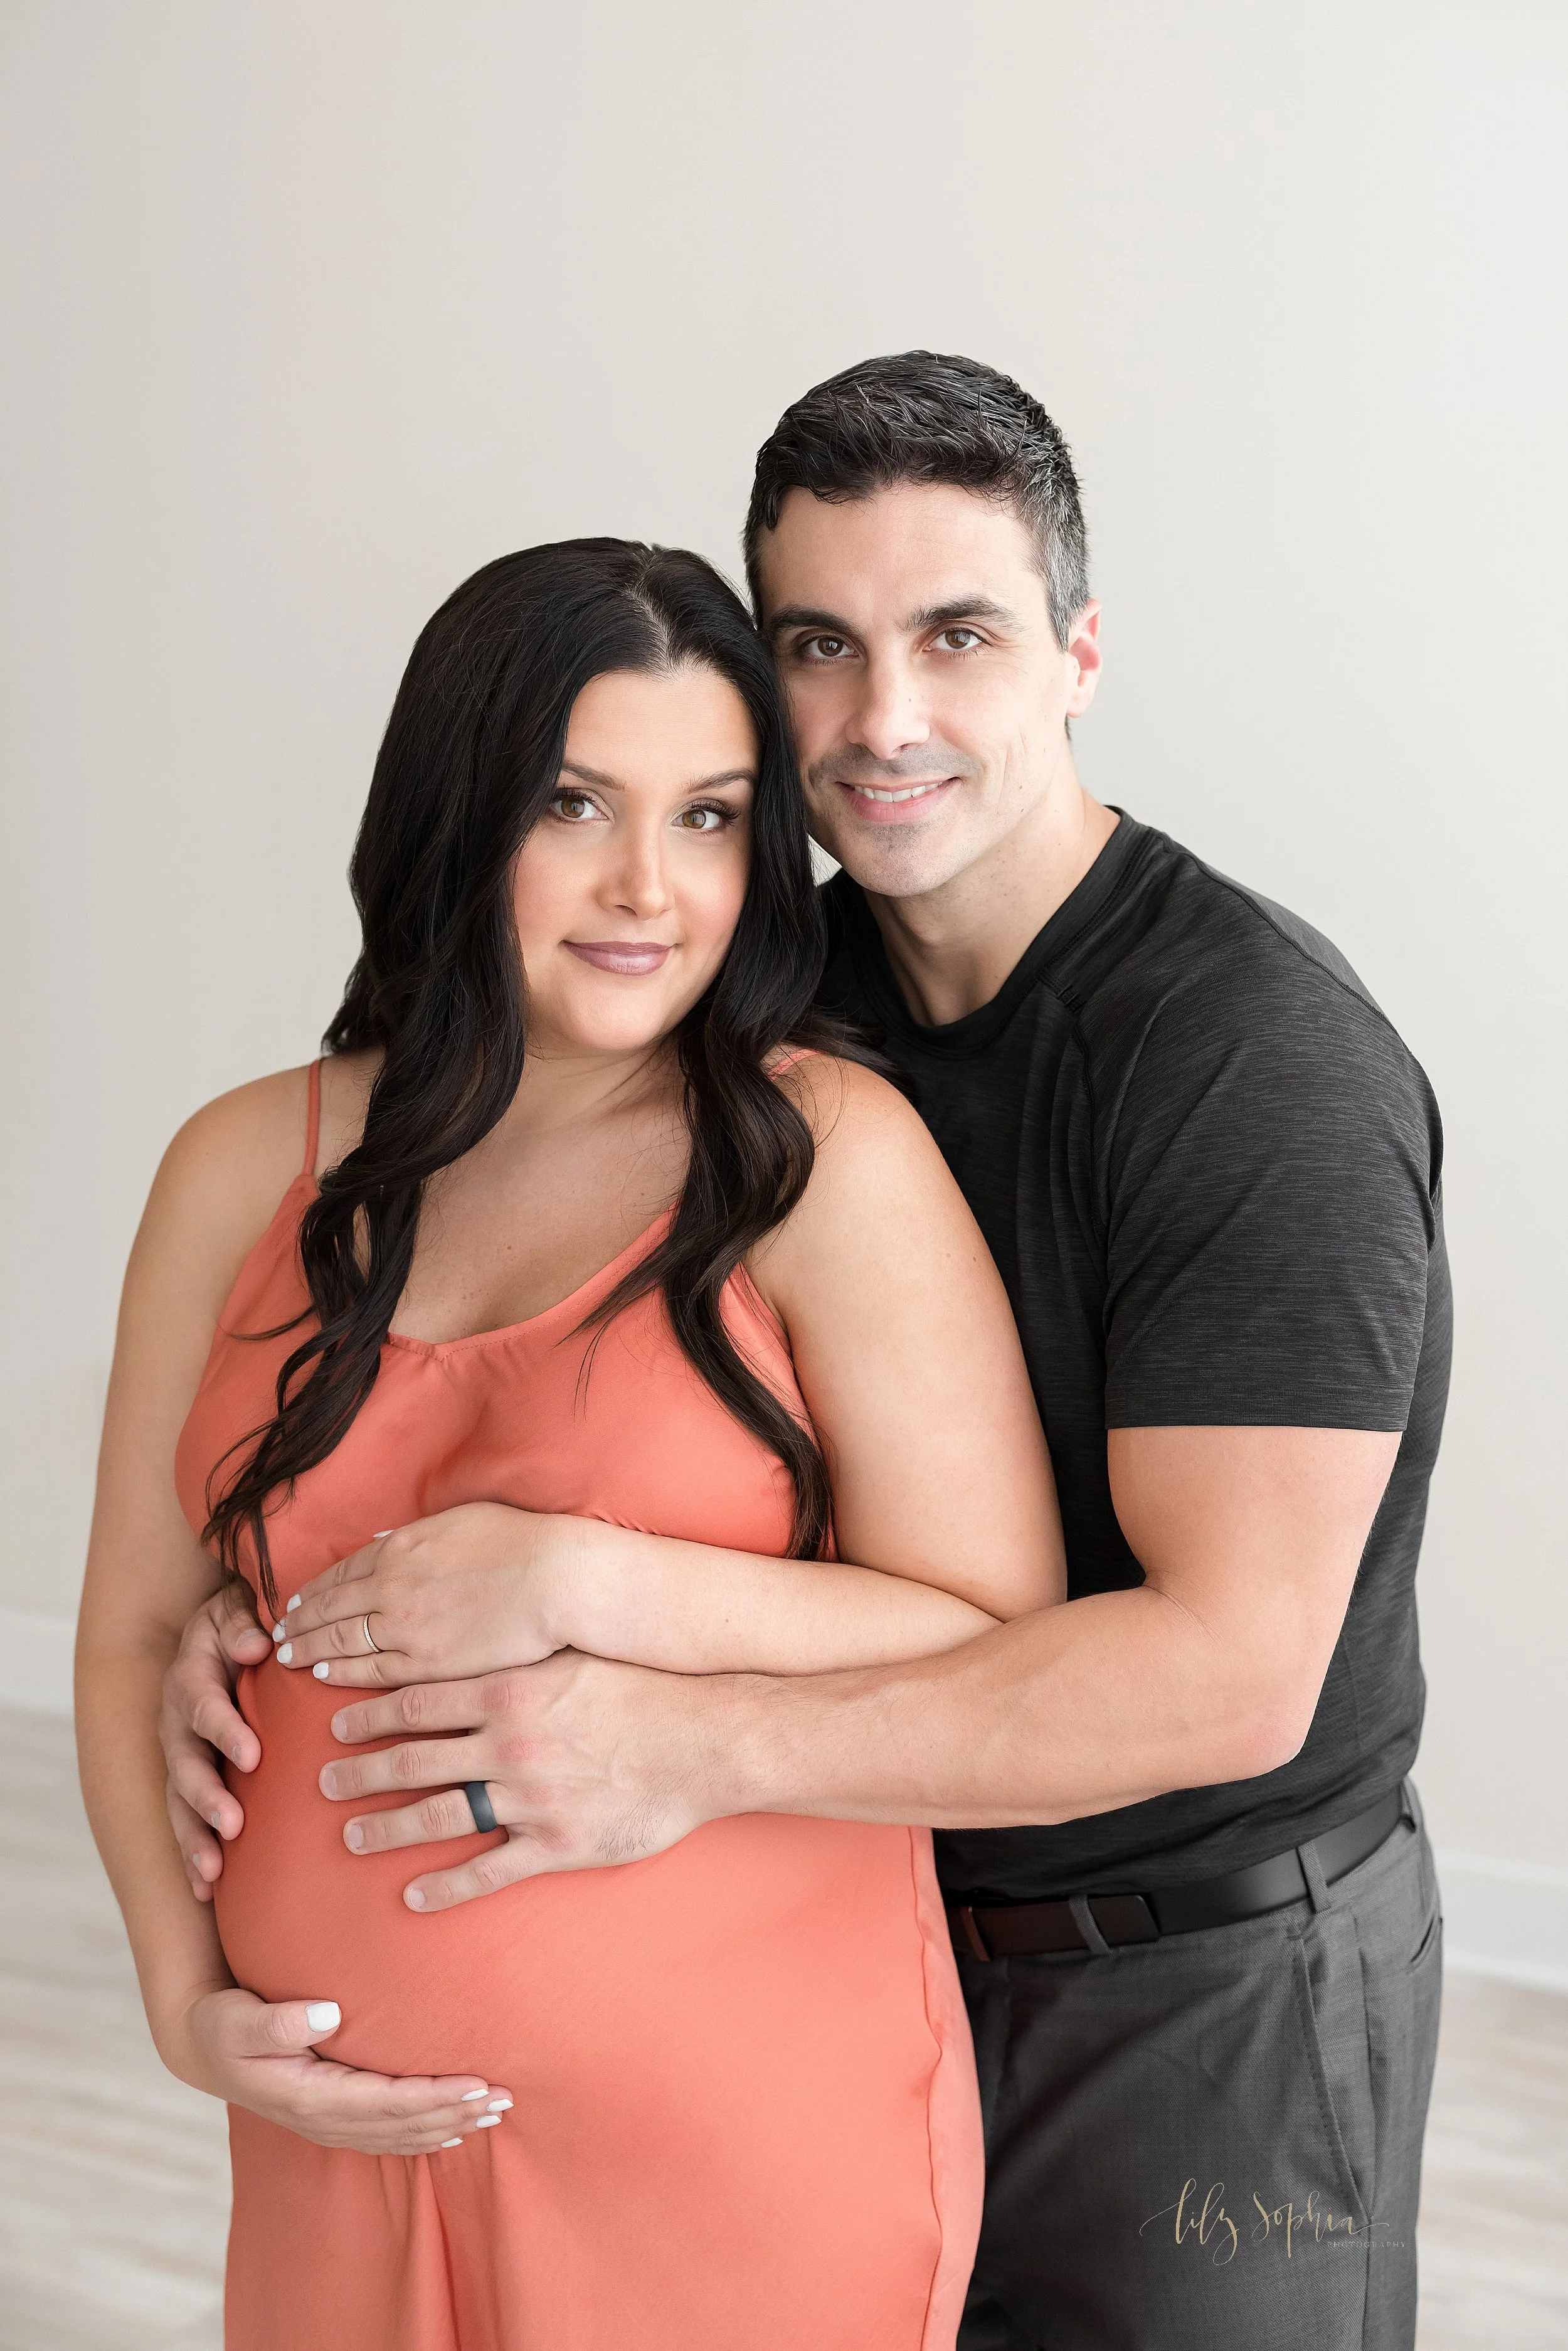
(923, 417)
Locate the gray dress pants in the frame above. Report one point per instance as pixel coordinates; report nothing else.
(1213, 2142)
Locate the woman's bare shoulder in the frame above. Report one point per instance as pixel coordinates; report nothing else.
(856, 1117)
(249, 1141)
(244, 1148)
(219, 1183)
(878, 1182)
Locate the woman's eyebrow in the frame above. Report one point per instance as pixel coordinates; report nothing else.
(703, 783)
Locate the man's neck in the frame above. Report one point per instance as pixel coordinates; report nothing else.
(952, 949)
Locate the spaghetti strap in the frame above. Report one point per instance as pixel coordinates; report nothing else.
(312, 1118)
(799, 1053)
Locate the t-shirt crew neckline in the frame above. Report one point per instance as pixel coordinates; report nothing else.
(956, 1039)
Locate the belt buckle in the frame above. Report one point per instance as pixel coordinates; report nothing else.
(1123, 1918)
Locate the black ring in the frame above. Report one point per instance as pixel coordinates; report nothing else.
(479, 1804)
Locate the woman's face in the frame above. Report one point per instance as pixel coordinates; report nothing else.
(628, 889)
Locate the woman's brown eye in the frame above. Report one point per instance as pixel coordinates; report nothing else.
(572, 805)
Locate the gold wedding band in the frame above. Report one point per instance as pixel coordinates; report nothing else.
(370, 1636)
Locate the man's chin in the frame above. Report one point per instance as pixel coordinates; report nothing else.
(895, 862)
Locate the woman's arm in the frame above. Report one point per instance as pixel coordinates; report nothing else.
(146, 1573)
(908, 1357)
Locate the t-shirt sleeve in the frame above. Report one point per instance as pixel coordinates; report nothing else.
(1268, 1190)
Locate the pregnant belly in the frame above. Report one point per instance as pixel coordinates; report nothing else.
(762, 1958)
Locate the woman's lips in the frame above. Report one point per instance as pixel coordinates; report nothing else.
(632, 958)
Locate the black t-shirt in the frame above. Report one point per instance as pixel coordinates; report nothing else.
(1208, 1170)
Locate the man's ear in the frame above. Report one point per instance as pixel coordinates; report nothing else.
(1084, 657)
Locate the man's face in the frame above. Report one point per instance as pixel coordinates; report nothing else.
(928, 691)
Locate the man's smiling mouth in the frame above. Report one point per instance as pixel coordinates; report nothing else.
(909, 791)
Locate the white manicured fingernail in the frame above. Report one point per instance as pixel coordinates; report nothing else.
(278, 1632)
(354, 1837)
(497, 2106)
(291, 1606)
(451, 2142)
(414, 1898)
(323, 2015)
(384, 1533)
(285, 1655)
(469, 2095)
(487, 2122)
(321, 1671)
(217, 1822)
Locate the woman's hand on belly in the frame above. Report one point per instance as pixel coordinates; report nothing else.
(468, 1591)
(263, 2056)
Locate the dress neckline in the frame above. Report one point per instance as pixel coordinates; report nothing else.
(574, 1300)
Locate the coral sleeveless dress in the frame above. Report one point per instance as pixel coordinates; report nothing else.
(746, 2116)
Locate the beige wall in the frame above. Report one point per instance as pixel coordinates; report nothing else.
(322, 305)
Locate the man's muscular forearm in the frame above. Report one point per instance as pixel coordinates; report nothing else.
(1083, 1708)
(1209, 1672)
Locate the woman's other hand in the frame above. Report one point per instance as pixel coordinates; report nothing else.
(468, 1591)
(199, 1721)
(263, 2056)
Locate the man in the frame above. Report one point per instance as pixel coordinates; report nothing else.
(1192, 1900)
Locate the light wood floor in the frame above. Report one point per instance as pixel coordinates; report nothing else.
(114, 2177)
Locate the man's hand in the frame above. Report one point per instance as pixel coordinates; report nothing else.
(254, 2053)
(470, 1591)
(587, 1763)
(198, 1715)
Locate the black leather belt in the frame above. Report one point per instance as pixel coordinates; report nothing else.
(1027, 1929)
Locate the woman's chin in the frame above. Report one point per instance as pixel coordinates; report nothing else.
(607, 1033)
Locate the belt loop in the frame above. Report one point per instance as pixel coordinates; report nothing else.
(972, 1934)
(1413, 1812)
(1312, 1871)
(1084, 1920)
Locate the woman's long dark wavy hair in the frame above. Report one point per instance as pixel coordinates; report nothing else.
(471, 757)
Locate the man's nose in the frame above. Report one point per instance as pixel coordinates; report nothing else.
(891, 716)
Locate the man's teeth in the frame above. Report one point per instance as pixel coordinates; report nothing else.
(915, 792)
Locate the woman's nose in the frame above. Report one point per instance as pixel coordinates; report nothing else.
(639, 881)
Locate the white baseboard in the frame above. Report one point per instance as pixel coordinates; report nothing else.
(1505, 1918)
(35, 1662)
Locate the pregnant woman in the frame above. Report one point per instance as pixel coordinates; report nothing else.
(580, 1215)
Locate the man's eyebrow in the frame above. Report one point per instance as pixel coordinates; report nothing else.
(934, 616)
(960, 608)
(807, 616)
(703, 783)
